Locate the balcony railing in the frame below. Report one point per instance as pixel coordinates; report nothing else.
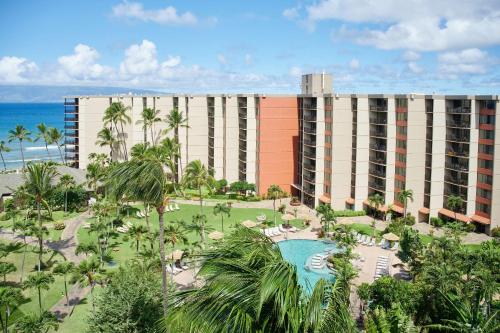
(378, 133)
(310, 118)
(458, 124)
(378, 108)
(457, 167)
(377, 185)
(460, 109)
(70, 127)
(378, 120)
(310, 130)
(457, 138)
(310, 142)
(377, 172)
(377, 147)
(456, 180)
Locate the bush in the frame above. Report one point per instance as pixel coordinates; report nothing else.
(253, 198)
(495, 232)
(408, 220)
(349, 213)
(220, 186)
(437, 222)
(282, 208)
(470, 227)
(59, 226)
(77, 198)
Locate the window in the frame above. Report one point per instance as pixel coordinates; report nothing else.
(399, 184)
(401, 130)
(401, 144)
(328, 139)
(487, 120)
(401, 157)
(483, 208)
(401, 102)
(328, 152)
(484, 134)
(485, 179)
(328, 127)
(486, 149)
(328, 114)
(401, 171)
(483, 193)
(401, 116)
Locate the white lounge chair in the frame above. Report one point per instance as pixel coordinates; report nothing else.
(366, 241)
(395, 247)
(382, 242)
(372, 242)
(128, 224)
(386, 245)
(172, 208)
(177, 206)
(169, 269)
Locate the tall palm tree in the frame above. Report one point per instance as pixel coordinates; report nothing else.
(137, 232)
(199, 226)
(39, 281)
(38, 180)
(20, 134)
(327, 215)
(403, 196)
(376, 201)
(4, 149)
(176, 120)
(33, 323)
(116, 114)
(95, 175)
(274, 192)
(25, 227)
(65, 268)
(43, 134)
(105, 137)
(10, 299)
(222, 209)
(197, 176)
(86, 249)
(174, 235)
(86, 272)
(455, 203)
(146, 180)
(6, 268)
(139, 150)
(149, 118)
(56, 136)
(66, 182)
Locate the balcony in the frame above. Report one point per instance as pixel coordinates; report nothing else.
(379, 186)
(311, 143)
(378, 147)
(378, 160)
(377, 172)
(457, 138)
(71, 141)
(382, 121)
(458, 110)
(309, 177)
(378, 108)
(70, 127)
(309, 166)
(456, 180)
(310, 118)
(310, 130)
(71, 119)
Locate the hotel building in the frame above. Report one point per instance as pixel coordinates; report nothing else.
(328, 148)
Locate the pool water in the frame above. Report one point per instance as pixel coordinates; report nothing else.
(299, 253)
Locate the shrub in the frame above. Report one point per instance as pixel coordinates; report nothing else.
(409, 219)
(59, 226)
(349, 213)
(253, 198)
(495, 232)
(437, 222)
(77, 197)
(470, 227)
(294, 201)
(220, 186)
(282, 208)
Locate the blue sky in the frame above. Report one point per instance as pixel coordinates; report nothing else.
(262, 46)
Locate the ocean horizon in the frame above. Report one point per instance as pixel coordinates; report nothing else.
(29, 115)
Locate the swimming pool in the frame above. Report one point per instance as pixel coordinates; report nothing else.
(299, 252)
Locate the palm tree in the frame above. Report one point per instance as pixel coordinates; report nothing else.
(249, 287)
(43, 134)
(176, 120)
(403, 196)
(222, 209)
(10, 299)
(139, 150)
(20, 134)
(455, 203)
(376, 201)
(38, 185)
(105, 137)
(198, 225)
(86, 273)
(95, 175)
(56, 136)
(86, 248)
(197, 176)
(137, 231)
(65, 268)
(149, 118)
(274, 192)
(116, 114)
(146, 180)
(6, 268)
(33, 323)
(173, 235)
(327, 216)
(25, 227)
(39, 281)
(4, 149)
(66, 182)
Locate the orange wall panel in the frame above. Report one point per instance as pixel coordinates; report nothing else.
(278, 142)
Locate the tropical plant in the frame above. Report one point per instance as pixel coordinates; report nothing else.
(66, 182)
(87, 274)
(222, 209)
(105, 137)
(86, 249)
(6, 268)
(24, 228)
(20, 134)
(116, 114)
(274, 192)
(56, 136)
(175, 120)
(198, 226)
(38, 180)
(197, 176)
(33, 323)
(63, 269)
(95, 175)
(149, 118)
(10, 299)
(455, 203)
(404, 196)
(43, 134)
(137, 232)
(139, 150)
(327, 216)
(39, 281)
(4, 149)
(376, 201)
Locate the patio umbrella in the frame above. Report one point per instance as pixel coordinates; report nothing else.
(176, 255)
(216, 235)
(287, 217)
(248, 223)
(391, 237)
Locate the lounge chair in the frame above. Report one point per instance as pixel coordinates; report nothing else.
(169, 269)
(177, 206)
(280, 228)
(395, 247)
(128, 224)
(382, 242)
(176, 269)
(138, 214)
(372, 242)
(172, 208)
(366, 241)
(167, 209)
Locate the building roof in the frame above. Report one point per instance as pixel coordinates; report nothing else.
(11, 181)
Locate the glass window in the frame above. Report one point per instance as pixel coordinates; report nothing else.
(485, 134)
(485, 179)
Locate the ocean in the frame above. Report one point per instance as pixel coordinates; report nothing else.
(29, 115)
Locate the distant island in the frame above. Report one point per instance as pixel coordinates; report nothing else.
(37, 94)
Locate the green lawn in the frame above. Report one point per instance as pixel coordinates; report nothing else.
(77, 321)
(57, 216)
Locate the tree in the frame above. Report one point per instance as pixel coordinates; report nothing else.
(176, 120)
(139, 150)
(197, 176)
(198, 226)
(56, 136)
(327, 215)
(174, 235)
(4, 149)
(410, 245)
(222, 209)
(86, 248)
(274, 192)
(38, 180)
(376, 201)
(63, 269)
(39, 281)
(105, 137)
(86, 273)
(66, 182)
(20, 134)
(10, 299)
(25, 228)
(116, 114)
(6, 268)
(149, 118)
(33, 323)
(146, 180)
(404, 196)
(137, 232)
(43, 134)
(95, 175)
(455, 203)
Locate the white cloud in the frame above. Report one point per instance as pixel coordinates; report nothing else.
(414, 67)
(248, 59)
(139, 59)
(16, 70)
(172, 61)
(291, 13)
(354, 63)
(221, 58)
(421, 25)
(468, 61)
(411, 56)
(82, 64)
(295, 71)
(167, 15)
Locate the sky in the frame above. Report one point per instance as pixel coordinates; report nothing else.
(369, 46)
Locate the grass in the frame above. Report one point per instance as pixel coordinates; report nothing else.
(77, 321)
(57, 216)
(124, 247)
